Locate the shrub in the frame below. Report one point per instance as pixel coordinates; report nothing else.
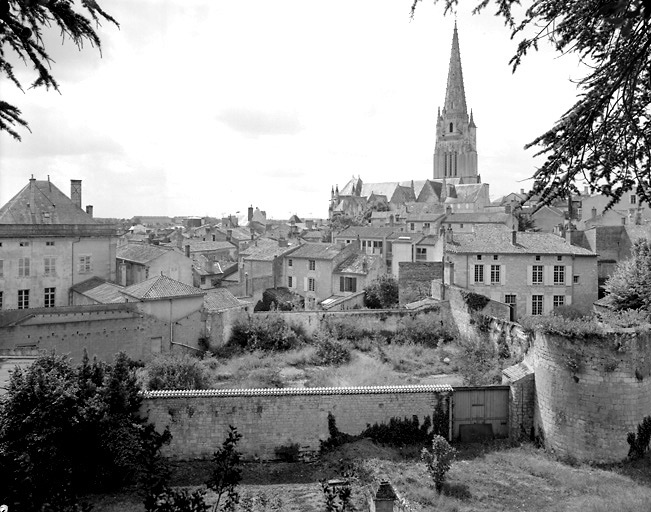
(629, 287)
(65, 430)
(400, 432)
(173, 371)
(580, 328)
(348, 329)
(626, 318)
(479, 361)
(568, 311)
(381, 293)
(269, 333)
(639, 444)
(475, 301)
(439, 460)
(331, 352)
(288, 452)
(428, 330)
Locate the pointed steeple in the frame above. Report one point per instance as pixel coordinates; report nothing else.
(455, 94)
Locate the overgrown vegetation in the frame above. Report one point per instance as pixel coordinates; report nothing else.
(639, 443)
(67, 430)
(474, 301)
(438, 460)
(479, 361)
(331, 351)
(629, 287)
(176, 371)
(580, 328)
(267, 333)
(382, 293)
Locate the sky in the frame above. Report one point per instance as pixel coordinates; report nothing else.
(205, 107)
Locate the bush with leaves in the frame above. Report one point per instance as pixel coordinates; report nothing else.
(67, 430)
(330, 351)
(439, 460)
(268, 333)
(428, 330)
(629, 287)
(176, 371)
(381, 293)
(479, 362)
(337, 498)
(639, 444)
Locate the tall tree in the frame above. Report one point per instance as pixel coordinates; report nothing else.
(22, 23)
(605, 138)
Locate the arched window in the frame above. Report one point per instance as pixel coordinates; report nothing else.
(451, 127)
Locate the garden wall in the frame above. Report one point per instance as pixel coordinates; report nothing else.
(591, 392)
(270, 418)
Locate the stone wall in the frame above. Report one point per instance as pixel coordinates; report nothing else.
(415, 279)
(270, 418)
(520, 379)
(591, 392)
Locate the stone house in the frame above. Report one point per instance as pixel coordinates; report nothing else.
(372, 240)
(627, 211)
(532, 272)
(48, 243)
(137, 262)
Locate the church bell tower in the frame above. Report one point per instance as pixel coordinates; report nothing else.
(455, 153)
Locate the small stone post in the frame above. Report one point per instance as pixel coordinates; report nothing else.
(385, 497)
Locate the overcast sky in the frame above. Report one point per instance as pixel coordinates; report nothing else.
(204, 107)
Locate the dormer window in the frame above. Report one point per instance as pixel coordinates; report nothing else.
(451, 127)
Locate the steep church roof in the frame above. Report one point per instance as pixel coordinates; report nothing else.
(455, 94)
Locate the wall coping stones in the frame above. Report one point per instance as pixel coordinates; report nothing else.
(357, 390)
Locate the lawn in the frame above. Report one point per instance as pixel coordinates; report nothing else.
(494, 477)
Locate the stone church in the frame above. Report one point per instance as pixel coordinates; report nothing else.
(455, 184)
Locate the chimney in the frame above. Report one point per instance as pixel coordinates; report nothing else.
(75, 192)
(187, 250)
(252, 235)
(89, 209)
(32, 192)
(250, 213)
(449, 235)
(282, 242)
(514, 237)
(309, 224)
(229, 235)
(521, 191)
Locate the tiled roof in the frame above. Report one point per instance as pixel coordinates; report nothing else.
(161, 287)
(41, 202)
(428, 240)
(140, 252)
(207, 246)
(100, 291)
(489, 239)
(266, 251)
(406, 237)
(352, 232)
(478, 218)
(220, 299)
(356, 263)
(318, 251)
(361, 390)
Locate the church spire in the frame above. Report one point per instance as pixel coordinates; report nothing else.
(455, 94)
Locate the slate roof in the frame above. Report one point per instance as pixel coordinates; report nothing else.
(499, 241)
(355, 264)
(100, 291)
(317, 251)
(220, 299)
(140, 252)
(266, 251)
(161, 287)
(41, 202)
(352, 232)
(478, 218)
(207, 246)
(406, 237)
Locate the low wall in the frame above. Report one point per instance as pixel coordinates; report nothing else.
(415, 279)
(270, 418)
(591, 392)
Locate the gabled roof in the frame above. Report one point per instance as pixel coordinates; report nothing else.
(41, 202)
(468, 193)
(358, 263)
(317, 251)
(100, 291)
(221, 299)
(494, 240)
(142, 253)
(266, 250)
(478, 218)
(352, 232)
(207, 246)
(161, 287)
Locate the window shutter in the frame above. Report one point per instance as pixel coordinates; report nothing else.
(568, 275)
(354, 280)
(568, 298)
(548, 274)
(502, 276)
(529, 280)
(342, 285)
(305, 284)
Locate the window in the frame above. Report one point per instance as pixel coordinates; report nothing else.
(347, 284)
(412, 226)
(48, 298)
(559, 274)
(421, 253)
(623, 220)
(49, 243)
(49, 265)
(451, 127)
(536, 304)
(479, 257)
(290, 281)
(537, 257)
(537, 274)
(24, 244)
(23, 267)
(510, 299)
(2, 265)
(479, 273)
(559, 300)
(290, 262)
(23, 299)
(495, 257)
(559, 258)
(426, 225)
(311, 284)
(85, 264)
(312, 264)
(633, 199)
(575, 279)
(1, 299)
(495, 274)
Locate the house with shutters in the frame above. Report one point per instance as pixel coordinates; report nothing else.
(532, 272)
(48, 243)
(139, 261)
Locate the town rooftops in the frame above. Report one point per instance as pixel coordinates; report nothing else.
(352, 232)
(221, 299)
(357, 264)
(478, 218)
(161, 287)
(317, 251)
(266, 250)
(500, 241)
(100, 291)
(208, 246)
(142, 253)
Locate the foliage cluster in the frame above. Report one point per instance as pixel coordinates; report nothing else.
(331, 351)
(568, 311)
(288, 452)
(627, 318)
(428, 330)
(580, 328)
(267, 333)
(381, 293)
(629, 287)
(479, 361)
(279, 299)
(474, 301)
(337, 498)
(439, 460)
(174, 371)
(639, 443)
(67, 430)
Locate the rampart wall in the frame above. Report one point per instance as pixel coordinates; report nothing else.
(591, 392)
(270, 418)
